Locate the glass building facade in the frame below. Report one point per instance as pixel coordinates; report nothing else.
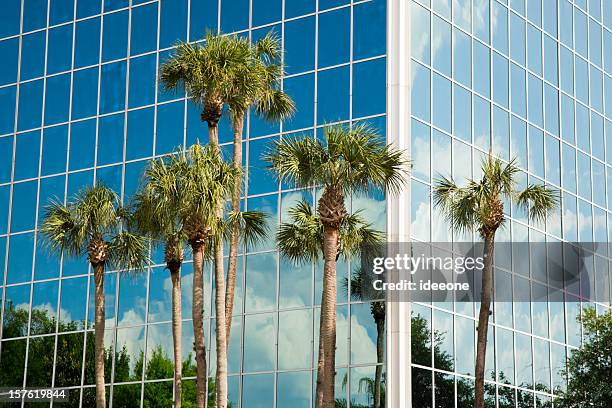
(528, 79)
(80, 102)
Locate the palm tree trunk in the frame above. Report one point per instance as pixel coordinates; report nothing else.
(99, 334)
(198, 323)
(483, 319)
(233, 249)
(221, 379)
(380, 355)
(177, 324)
(326, 371)
(212, 114)
(213, 136)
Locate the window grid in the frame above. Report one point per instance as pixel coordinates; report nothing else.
(426, 133)
(95, 172)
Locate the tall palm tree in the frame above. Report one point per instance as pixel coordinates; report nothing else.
(95, 223)
(479, 205)
(348, 160)
(361, 289)
(258, 86)
(207, 75)
(157, 211)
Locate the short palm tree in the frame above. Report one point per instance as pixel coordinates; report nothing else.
(348, 160)
(95, 223)
(479, 205)
(157, 211)
(258, 86)
(361, 289)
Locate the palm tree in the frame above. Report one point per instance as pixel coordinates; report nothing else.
(479, 205)
(208, 75)
(157, 210)
(257, 85)
(94, 222)
(207, 182)
(361, 284)
(348, 160)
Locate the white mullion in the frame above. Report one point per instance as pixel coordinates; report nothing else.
(88, 276)
(128, 64)
(15, 127)
(100, 44)
(398, 211)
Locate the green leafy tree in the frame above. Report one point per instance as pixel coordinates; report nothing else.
(95, 223)
(589, 369)
(346, 161)
(480, 205)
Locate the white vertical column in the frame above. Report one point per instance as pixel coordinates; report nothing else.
(399, 384)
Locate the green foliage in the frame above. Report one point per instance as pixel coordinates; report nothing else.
(207, 181)
(257, 82)
(252, 225)
(206, 72)
(69, 362)
(95, 213)
(471, 206)
(352, 159)
(158, 202)
(589, 369)
(180, 194)
(301, 238)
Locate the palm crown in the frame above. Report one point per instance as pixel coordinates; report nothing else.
(479, 204)
(257, 81)
(181, 192)
(202, 72)
(301, 239)
(349, 160)
(95, 222)
(179, 197)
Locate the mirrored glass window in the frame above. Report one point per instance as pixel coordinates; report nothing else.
(8, 71)
(300, 45)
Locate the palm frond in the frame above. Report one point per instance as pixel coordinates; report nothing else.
(298, 161)
(359, 160)
(356, 234)
(252, 225)
(444, 192)
(499, 177)
(128, 251)
(275, 105)
(207, 182)
(300, 239)
(269, 46)
(360, 283)
(96, 208)
(61, 229)
(460, 206)
(157, 205)
(538, 200)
